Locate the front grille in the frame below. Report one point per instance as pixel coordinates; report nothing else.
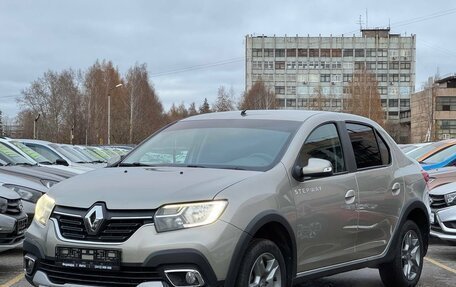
(17, 235)
(14, 206)
(71, 225)
(126, 276)
(438, 201)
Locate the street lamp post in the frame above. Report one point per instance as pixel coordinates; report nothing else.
(109, 111)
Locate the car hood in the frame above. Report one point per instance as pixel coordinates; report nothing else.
(8, 193)
(444, 189)
(16, 180)
(444, 171)
(144, 188)
(31, 172)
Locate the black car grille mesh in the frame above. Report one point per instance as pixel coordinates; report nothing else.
(118, 226)
(438, 201)
(126, 276)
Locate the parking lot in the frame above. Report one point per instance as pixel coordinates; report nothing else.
(439, 271)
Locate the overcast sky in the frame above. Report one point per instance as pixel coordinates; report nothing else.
(168, 35)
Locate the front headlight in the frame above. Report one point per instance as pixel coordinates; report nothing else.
(27, 194)
(187, 215)
(450, 198)
(43, 209)
(3, 205)
(48, 183)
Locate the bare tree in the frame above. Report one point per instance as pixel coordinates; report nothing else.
(224, 101)
(364, 98)
(258, 97)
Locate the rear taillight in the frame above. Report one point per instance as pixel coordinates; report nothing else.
(425, 176)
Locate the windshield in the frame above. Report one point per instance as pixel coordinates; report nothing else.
(67, 154)
(233, 144)
(31, 153)
(11, 156)
(416, 154)
(76, 153)
(441, 155)
(99, 152)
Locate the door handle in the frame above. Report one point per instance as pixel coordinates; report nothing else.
(350, 197)
(396, 189)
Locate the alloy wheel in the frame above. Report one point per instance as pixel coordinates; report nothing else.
(265, 272)
(411, 255)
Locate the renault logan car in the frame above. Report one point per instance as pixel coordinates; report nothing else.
(251, 198)
(13, 221)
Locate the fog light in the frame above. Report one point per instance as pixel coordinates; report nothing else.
(29, 264)
(184, 277)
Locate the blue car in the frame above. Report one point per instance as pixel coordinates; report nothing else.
(443, 158)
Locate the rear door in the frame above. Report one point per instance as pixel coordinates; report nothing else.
(381, 190)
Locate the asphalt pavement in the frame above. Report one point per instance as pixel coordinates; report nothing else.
(439, 271)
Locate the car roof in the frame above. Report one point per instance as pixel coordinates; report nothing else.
(33, 141)
(284, 115)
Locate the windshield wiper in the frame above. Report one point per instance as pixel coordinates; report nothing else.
(134, 164)
(26, 164)
(195, 166)
(6, 164)
(98, 161)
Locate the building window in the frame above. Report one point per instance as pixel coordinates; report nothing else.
(280, 52)
(336, 78)
(302, 52)
(405, 77)
(291, 52)
(383, 90)
(291, 103)
(280, 65)
(313, 53)
(348, 66)
(393, 103)
(359, 65)
(384, 101)
(335, 53)
(382, 77)
(405, 114)
(325, 53)
(257, 65)
(269, 52)
(406, 65)
(268, 65)
(359, 53)
(371, 65)
(280, 90)
(337, 65)
(291, 90)
(280, 103)
(348, 52)
(382, 53)
(405, 103)
(445, 103)
(257, 52)
(291, 78)
(394, 77)
(382, 65)
(348, 78)
(394, 65)
(291, 65)
(371, 52)
(347, 90)
(325, 78)
(446, 129)
(325, 65)
(392, 114)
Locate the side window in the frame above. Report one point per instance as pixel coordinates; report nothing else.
(324, 143)
(365, 147)
(384, 150)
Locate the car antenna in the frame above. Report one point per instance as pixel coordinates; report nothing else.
(244, 113)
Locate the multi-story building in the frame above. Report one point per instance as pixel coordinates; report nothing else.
(295, 68)
(434, 111)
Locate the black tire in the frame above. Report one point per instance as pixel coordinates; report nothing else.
(257, 249)
(392, 273)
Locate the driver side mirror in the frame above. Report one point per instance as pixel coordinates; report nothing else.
(317, 167)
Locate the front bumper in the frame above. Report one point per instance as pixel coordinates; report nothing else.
(444, 226)
(208, 249)
(12, 230)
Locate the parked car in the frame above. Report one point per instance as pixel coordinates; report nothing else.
(421, 154)
(29, 187)
(13, 220)
(32, 155)
(407, 148)
(57, 155)
(441, 176)
(237, 199)
(443, 216)
(443, 158)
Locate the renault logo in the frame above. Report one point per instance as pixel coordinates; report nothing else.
(94, 219)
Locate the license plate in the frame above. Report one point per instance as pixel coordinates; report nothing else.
(432, 218)
(87, 258)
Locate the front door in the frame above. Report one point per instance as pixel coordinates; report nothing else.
(326, 207)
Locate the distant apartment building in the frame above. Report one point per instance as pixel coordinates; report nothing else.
(296, 67)
(433, 111)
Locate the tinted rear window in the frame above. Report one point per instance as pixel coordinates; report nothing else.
(365, 146)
